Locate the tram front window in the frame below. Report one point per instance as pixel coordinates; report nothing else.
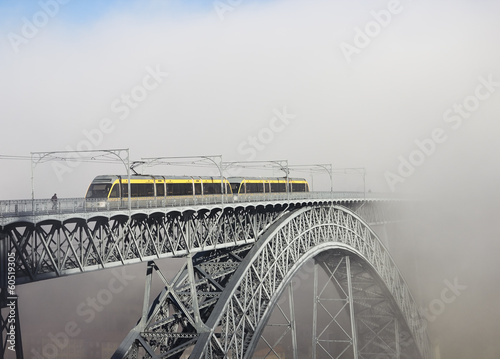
(98, 191)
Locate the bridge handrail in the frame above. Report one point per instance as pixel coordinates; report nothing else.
(29, 207)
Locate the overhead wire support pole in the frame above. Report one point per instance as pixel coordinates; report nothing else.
(219, 167)
(327, 167)
(41, 157)
(167, 160)
(359, 170)
(282, 164)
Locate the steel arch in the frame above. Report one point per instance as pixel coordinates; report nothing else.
(261, 276)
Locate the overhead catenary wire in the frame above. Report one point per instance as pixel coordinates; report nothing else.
(14, 157)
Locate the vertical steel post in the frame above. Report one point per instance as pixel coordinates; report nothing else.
(331, 181)
(292, 321)
(147, 291)
(315, 312)
(128, 185)
(223, 185)
(396, 330)
(32, 178)
(364, 182)
(351, 308)
(200, 326)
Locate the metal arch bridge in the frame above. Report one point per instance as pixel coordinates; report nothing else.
(241, 256)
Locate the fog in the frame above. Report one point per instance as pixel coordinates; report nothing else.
(406, 90)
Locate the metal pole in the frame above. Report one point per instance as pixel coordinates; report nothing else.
(312, 182)
(351, 309)
(128, 185)
(331, 181)
(364, 182)
(222, 184)
(200, 326)
(292, 321)
(315, 311)
(287, 180)
(327, 167)
(32, 179)
(147, 291)
(398, 347)
(149, 161)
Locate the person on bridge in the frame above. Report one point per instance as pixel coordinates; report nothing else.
(54, 201)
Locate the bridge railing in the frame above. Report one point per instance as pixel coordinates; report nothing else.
(28, 207)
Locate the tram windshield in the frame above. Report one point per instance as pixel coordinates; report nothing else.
(98, 190)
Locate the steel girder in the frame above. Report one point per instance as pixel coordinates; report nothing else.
(58, 245)
(278, 254)
(234, 307)
(52, 248)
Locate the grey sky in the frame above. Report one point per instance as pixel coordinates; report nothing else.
(225, 78)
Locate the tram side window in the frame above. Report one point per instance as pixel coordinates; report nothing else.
(278, 187)
(160, 190)
(197, 188)
(211, 188)
(138, 190)
(115, 192)
(298, 187)
(255, 188)
(180, 189)
(144, 190)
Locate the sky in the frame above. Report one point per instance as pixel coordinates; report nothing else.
(357, 86)
(407, 90)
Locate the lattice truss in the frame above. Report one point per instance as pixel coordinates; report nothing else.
(233, 300)
(52, 248)
(172, 324)
(381, 332)
(347, 299)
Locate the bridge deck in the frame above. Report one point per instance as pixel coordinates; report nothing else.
(37, 210)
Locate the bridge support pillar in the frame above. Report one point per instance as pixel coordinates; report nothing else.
(315, 312)
(293, 322)
(354, 335)
(10, 324)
